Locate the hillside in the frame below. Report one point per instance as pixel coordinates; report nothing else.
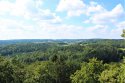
(62, 61)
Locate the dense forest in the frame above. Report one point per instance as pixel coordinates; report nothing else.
(62, 61)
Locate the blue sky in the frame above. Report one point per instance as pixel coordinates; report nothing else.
(61, 19)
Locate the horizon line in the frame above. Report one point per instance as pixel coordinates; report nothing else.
(65, 39)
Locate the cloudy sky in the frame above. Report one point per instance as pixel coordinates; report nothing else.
(61, 19)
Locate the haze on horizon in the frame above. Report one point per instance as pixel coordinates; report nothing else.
(61, 19)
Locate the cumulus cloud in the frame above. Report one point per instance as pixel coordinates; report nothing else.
(78, 7)
(108, 16)
(97, 14)
(28, 19)
(22, 18)
(17, 7)
(94, 8)
(28, 9)
(72, 7)
(121, 25)
(46, 15)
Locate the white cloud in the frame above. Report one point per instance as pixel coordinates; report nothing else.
(32, 21)
(15, 8)
(23, 12)
(97, 14)
(72, 7)
(11, 29)
(105, 17)
(116, 32)
(19, 7)
(67, 5)
(108, 20)
(121, 25)
(78, 7)
(64, 31)
(94, 8)
(46, 16)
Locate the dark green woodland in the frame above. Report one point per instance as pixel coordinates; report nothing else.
(62, 61)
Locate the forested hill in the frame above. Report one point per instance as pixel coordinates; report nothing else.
(5, 42)
(62, 61)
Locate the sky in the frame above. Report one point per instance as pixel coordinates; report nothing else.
(61, 19)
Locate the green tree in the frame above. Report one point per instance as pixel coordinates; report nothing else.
(89, 72)
(110, 74)
(123, 33)
(10, 73)
(121, 77)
